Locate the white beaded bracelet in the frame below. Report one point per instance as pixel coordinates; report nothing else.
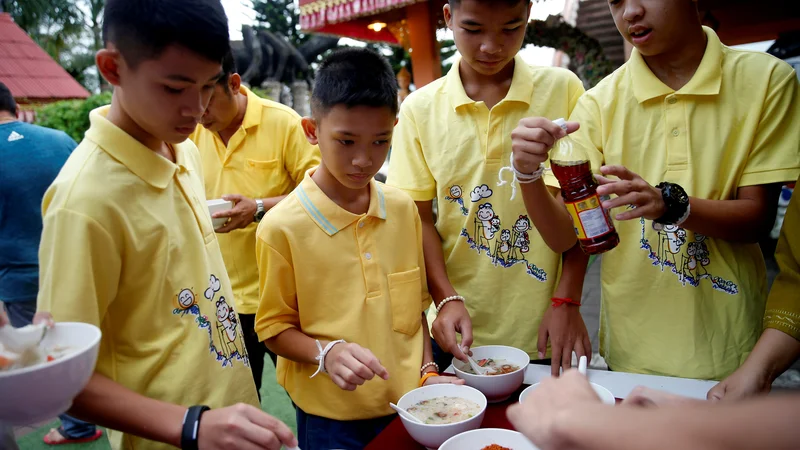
(322, 354)
(430, 364)
(449, 299)
(519, 177)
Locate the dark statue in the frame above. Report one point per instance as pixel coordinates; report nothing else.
(263, 56)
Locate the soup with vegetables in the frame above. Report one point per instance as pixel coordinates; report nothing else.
(443, 410)
(496, 366)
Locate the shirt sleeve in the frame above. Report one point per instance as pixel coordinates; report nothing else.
(590, 134)
(408, 169)
(775, 154)
(299, 154)
(783, 304)
(277, 308)
(79, 268)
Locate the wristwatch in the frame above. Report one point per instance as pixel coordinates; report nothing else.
(677, 202)
(260, 211)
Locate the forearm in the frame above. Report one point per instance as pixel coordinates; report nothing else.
(740, 220)
(109, 404)
(270, 202)
(427, 348)
(435, 269)
(768, 422)
(549, 216)
(774, 353)
(296, 346)
(573, 271)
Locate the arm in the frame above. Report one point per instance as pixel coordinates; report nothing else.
(748, 218)
(531, 142)
(563, 325)
(163, 422)
(773, 354)
(763, 423)
(453, 317)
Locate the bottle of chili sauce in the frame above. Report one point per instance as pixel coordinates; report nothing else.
(570, 165)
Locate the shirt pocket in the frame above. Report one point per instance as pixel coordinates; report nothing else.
(260, 178)
(405, 292)
(256, 165)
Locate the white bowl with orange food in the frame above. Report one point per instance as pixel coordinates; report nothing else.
(509, 366)
(489, 439)
(444, 410)
(42, 386)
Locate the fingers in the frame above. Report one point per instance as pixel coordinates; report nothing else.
(566, 356)
(44, 317)
(601, 180)
(276, 427)
(572, 127)
(587, 347)
(465, 328)
(227, 228)
(444, 380)
(618, 171)
(717, 392)
(445, 336)
(235, 198)
(541, 343)
(371, 363)
(546, 125)
(227, 213)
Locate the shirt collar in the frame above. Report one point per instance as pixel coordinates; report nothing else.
(521, 89)
(252, 115)
(706, 80)
(143, 162)
(329, 216)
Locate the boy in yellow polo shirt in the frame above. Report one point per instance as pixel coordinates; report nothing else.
(342, 270)
(779, 345)
(700, 136)
(254, 152)
(128, 244)
(489, 270)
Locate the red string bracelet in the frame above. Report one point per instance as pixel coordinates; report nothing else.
(561, 301)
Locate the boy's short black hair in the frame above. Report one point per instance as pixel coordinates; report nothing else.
(456, 3)
(7, 102)
(143, 29)
(354, 77)
(228, 69)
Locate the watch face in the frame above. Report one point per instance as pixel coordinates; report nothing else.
(260, 215)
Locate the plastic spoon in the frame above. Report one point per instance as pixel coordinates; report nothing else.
(582, 366)
(404, 413)
(20, 340)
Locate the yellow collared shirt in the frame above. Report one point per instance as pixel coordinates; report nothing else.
(675, 302)
(266, 157)
(449, 147)
(783, 303)
(335, 275)
(128, 246)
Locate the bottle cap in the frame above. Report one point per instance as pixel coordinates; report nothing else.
(561, 122)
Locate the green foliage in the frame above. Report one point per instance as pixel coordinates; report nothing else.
(282, 17)
(71, 116)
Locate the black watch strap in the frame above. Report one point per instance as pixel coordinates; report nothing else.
(191, 426)
(676, 200)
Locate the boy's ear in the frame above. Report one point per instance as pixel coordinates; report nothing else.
(108, 64)
(310, 129)
(448, 15)
(235, 82)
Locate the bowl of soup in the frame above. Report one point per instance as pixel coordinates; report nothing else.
(507, 371)
(40, 386)
(489, 439)
(444, 410)
(605, 395)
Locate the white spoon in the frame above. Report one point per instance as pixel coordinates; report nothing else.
(404, 413)
(20, 340)
(582, 366)
(478, 369)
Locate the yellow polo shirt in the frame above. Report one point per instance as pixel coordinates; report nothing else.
(675, 302)
(128, 246)
(448, 147)
(266, 157)
(783, 303)
(335, 275)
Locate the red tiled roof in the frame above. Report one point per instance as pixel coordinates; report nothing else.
(28, 71)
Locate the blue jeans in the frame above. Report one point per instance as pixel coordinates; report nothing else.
(20, 313)
(319, 433)
(76, 429)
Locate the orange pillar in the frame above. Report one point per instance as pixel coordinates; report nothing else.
(425, 55)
